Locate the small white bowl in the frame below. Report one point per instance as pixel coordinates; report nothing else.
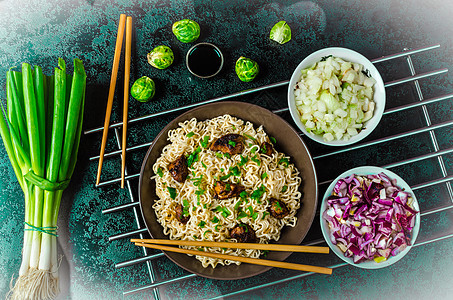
(366, 170)
(348, 55)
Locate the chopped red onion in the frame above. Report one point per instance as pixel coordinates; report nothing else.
(370, 217)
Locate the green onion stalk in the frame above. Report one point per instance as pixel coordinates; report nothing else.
(41, 129)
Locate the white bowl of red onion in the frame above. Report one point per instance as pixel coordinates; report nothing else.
(370, 217)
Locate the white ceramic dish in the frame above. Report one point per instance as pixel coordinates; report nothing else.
(348, 55)
(365, 170)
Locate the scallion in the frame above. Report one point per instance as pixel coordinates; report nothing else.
(41, 131)
(249, 137)
(205, 142)
(172, 192)
(284, 188)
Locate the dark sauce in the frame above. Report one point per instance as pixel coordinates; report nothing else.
(204, 60)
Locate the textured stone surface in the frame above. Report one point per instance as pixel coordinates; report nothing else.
(39, 32)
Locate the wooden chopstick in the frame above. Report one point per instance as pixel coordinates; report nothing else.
(116, 62)
(256, 261)
(271, 247)
(127, 70)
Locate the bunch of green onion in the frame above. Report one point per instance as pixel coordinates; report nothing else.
(41, 130)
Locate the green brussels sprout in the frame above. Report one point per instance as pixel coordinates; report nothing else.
(143, 89)
(246, 69)
(281, 32)
(161, 57)
(187, 31)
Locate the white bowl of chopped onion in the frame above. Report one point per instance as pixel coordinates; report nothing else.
(370, 217)
(336, 96)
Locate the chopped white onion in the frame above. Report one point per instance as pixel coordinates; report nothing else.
(334, 98)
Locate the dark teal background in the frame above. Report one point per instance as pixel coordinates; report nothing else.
(39, 32)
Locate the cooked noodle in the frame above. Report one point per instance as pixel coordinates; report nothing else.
(210, 218)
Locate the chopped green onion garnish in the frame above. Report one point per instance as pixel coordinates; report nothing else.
(225, 177)
(215, 220)
(225, 212)
(236, 206)
(244, 160)
(218, 154)
(284, 188)
(241, 215)
(204, 166)
(232, 143)
(264, 175)
(243, 194)
(172, 192)
(227, 155)
(235, 171)
(160, 172)
(202, 224)
(273, 140)
(255, 159)
(190, 134)
(258, 193)
(205, 141)
(249, 137)
(193, 157)
(284, 161)
(185, 207)
(200, 192)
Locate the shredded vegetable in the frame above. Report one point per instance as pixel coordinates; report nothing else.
(370, 217)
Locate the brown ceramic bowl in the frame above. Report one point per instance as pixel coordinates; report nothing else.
(288, 142)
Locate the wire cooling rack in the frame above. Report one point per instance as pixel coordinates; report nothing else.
(149, 257)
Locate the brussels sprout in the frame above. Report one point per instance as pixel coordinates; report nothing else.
(246, 69)
(143, 89)
(161, 57)
(186, 30)
(281, 32)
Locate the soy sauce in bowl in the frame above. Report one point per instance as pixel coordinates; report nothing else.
(204, 60)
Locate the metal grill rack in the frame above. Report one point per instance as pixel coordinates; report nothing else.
(149, 258)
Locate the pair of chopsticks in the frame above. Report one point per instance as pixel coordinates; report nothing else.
(116, 62)
(153, 244)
